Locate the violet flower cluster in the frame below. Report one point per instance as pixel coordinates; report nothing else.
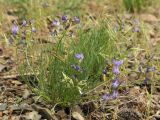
(146, 72)
(80, 57)
(117, 64)
(77, 67)
(136, 27)
(21, 30)
(58, 25)
(115, 83)
(15, 29)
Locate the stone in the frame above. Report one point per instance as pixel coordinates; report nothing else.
(2, 67)
(33, 116)
(25, 106)
(26, 94)
(15, 107)
(77, 116)
(3, 106)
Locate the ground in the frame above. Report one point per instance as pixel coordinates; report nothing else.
(136, 100)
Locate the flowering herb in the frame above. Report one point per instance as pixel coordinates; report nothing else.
(79, 56)
(146, 80)
(55, 22)
(115, 84)
(76, 19)
(116, 70)
(136, 29)
(116, 66)
(77, 67)
(106, 96)
(117, 63)
(104, 71)
(33, 29)
(15, 29)
(24, 23)
(149, 69)
(115, 94)
(140, 68)
(136, 26)
(64, 18)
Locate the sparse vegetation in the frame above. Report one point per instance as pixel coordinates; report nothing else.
(79, 58)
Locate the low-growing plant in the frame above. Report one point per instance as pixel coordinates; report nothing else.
(66, 70)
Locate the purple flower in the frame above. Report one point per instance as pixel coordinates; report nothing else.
(140, 68)
(77, 67)
(79, 56)
(106, 96)
(24, 23)
(55, 22)
(104, 71)
(136, 29)
(33, 29)
(15, 29)
(115, 84)
(116, 70)
(115, 94)
(146, 81)
(117, 63)
(76, 19)
(149, 69)
(64, 18)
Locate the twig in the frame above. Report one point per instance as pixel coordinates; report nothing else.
(95, 88)
(16, 75)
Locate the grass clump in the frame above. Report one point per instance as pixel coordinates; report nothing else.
(67, 70)
(134, 5)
